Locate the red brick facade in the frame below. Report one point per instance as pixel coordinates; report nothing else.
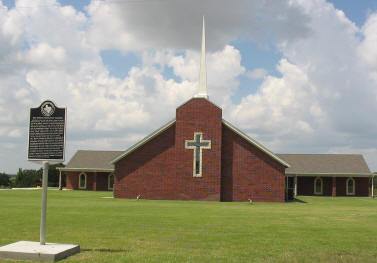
(305, 186)
(95, 181)
(198, 115)
(149, 171)
(233, 169)
(249, 173)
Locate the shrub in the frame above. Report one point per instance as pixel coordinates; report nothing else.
(28, 178)
(4, 180)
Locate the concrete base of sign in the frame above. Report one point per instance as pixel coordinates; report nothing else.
(27, 250)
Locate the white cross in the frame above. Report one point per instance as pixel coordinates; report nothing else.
(197, 145)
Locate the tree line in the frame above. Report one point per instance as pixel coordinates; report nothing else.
(30, 177)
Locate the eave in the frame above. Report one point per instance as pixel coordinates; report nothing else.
(64, 169)
(255, 143)
(144, 141)
(330, 174)
(226, 123)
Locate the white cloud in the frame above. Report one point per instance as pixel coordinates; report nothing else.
(367, 49)
(175, 24)
(44, 54)
(323, 100)
(103, 111)
(278, 106)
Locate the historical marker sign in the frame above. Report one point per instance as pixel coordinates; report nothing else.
(47, 132)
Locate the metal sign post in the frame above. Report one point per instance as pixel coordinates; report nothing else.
(46, 144)
(42, 231)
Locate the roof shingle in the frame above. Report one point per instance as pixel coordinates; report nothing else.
(325, 163)
(93, 160)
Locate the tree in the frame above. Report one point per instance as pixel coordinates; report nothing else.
(28, 178)
(53, 174)
(4, 180)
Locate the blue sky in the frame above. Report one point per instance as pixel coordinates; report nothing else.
(357, 11)
(122, 69)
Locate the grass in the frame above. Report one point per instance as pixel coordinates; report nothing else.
(318, 229)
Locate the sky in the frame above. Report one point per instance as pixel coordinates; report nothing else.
(298, 76)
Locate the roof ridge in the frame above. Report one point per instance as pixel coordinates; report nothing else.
(143, 141)
(80, 150)
(255, 143)
(356, 154)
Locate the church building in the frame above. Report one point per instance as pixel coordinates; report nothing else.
(201, 156)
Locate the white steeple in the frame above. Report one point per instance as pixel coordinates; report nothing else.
(202, 89)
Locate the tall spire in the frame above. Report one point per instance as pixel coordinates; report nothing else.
(202, 90)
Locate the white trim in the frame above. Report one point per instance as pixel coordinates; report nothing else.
(194, 174)
(60, 179)
(108, 181)
(86, 179)
(143, 141)
(226, 123)
(84, 169)
(354, 186)
(255, 143)
(202, 90)
(193, 98)
(331, 174)
(315, 186)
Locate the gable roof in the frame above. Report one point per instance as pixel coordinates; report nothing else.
(142, 142)
(226, 123)
(255, 143)
(85, 160)
(332, 164)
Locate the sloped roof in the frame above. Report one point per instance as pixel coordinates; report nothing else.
(326, 164)
(169, 124)
(146, 139)
(85, 160)
(256, 144)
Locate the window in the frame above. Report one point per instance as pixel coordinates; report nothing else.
(110, 181)
(350, 185)
(82, 181)
(197, 144)
(318, 186)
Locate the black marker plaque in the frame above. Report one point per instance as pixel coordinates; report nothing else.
(47, 132)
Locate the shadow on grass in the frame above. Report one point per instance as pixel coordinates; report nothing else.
(296, 200)
(105, 250)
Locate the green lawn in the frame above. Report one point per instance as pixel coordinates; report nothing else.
(117, 230)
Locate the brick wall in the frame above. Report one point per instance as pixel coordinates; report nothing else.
(305, 186)
(198, 115)
(163, 168)
(72, 180)
(94, 181)
(249, 173)
(149, 171)
(102, 181)
(233, 170)
(361, 186)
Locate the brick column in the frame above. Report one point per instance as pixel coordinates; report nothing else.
(333, 186)
(95, 181)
